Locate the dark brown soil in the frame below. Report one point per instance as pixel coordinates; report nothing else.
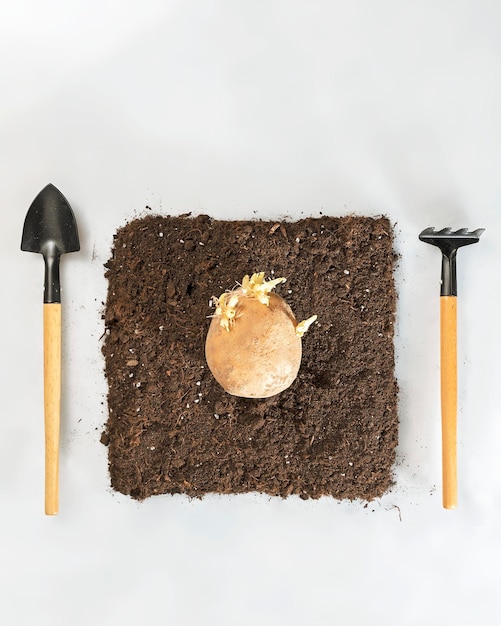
(171, 427)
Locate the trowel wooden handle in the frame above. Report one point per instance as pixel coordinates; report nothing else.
(52, 403)
(448, 376)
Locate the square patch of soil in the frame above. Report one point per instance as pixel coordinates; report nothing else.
(172, 428)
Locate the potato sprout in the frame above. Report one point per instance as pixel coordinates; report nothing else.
(253, 347)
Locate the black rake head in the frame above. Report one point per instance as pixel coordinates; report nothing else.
(449, 241)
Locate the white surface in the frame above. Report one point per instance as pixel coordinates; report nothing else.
(230, 108)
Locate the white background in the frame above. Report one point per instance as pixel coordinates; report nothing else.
(230, 108)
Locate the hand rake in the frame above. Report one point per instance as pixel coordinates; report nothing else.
(449, 241)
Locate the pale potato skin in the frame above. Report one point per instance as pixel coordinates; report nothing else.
(260, 355)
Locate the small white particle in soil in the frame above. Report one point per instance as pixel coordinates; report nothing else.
(131, 374)
(161, 327)
(187, 406)
(346, 272)
(216, 416)
(198, 383)
(201, 243)
(298, 240)
(350, 464)
(196, 401)
(160, 234)
(152, 447)
(289, 291)
(181, 241)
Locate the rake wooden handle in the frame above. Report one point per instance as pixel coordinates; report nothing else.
(448, 376)
(52, 403)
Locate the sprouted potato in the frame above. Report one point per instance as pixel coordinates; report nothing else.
(253, 346)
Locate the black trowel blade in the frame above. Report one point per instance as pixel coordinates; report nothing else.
(50, 224)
